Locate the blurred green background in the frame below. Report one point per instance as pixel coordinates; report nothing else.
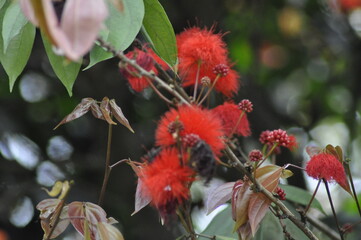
(300, 66)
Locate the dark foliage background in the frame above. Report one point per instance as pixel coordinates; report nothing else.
(299, 62)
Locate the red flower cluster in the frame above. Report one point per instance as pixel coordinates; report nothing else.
(278, 136)
(229, 113)
(281, 193)
(255, 155)
(146, 60)
(326, 166)
(166, 182)
(194, 120)
(202, 52)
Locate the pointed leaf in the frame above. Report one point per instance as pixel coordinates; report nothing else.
(121, 29)
(269, 228)
(118, 114)
(55, 190)
(313, 150)
(269, 176)
(18, 49)
(240, 202)
(219, 196)
(106, 110)
(158, 27)
(66, 71)
(141, 199)
(109, 232)
(14, 21)
(257, 209)
(339, 153)
(301, 196)
(81, 109)
(81, 21)
(96, 111)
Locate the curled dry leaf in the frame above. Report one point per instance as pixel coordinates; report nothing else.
(118, 114)
(218, 196)
(106, 110)
(78, 27)
(141, 199)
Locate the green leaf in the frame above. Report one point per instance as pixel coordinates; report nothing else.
(269, 228)
(160, 31)
(121, 29)
(222, 224)
(2, 3)
(298, 195)
(18, 50)
(14, 21)
(65, 70)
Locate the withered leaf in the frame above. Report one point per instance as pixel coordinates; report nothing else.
(219, 196)
(141, 199)
(81, 109)
(118, 114)
(108, 232)
(95, 109)
(313, 150)
(106, 110)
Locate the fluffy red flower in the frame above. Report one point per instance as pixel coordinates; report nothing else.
(326, 166)
(156, 58)
(166, 182)
(348, 5)
(194, 120)
(204, 48)
(229, 114)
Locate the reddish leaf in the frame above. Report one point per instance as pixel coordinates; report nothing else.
(313, 150)
(219, 196)
(257, 209)
(105, 108)
(81, 109)
(79, 212)
(28, 11)
(240, 200)
(141, 199)
(245, 231)
(81, 21)
(108, 232)
(118, 114)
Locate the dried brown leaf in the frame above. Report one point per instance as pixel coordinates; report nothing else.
(118, 114)
(81, 109)
(95, 109)
(108, 232)
(313, 150)
(106, 110)
(141, 199)
(219, 196)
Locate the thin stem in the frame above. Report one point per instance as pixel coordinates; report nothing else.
(200, 93)
(107, 166)
(333, 208)
(238, 165)
(209, 89)
(353, 187)
(268, 154)
(323, 228)
(313, 197)
(119, 162)
(158, 92)
(237, 124)
(197, 80)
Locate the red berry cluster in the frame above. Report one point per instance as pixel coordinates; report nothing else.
(276, 136)
(221, 69)
(255, 155)
(175, 126)
(190, 140)
(281, 193)
(245, 105)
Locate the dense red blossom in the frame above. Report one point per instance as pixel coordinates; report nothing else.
(245, 105)
(229, 114)
(348, 5)
(157, 59)
(166, 182)
(280, 137)
(326, 166)
(255, 155)
(203, 49)
(195, 120)
(281, 193)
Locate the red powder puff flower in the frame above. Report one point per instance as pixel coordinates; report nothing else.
(348, 5)
(204, 49)
(138, 83)
(194, 121)
(326, 166)
(166, 182)
(157, 59)
(229, 114)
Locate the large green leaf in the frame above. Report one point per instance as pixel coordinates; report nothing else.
(2, 3)
(298, 195)
(65, 70)
(269, 228)
(13, 22)
(18, 49)
(121, 29)
(160, 31)
(222, 225)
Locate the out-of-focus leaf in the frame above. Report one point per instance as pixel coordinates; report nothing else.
(339, 153)
(257, 209)
(286, 173)
(158, 27)
(313, 150)
(118, 4)
(106, 110)
(301, 196)
(121, 29)
(219, 196)
(141, 199)
(66, 71)
(81, 109)
(13, 22)
(224, 238)
(55, 190)
(222, 225)
(2, 3)
(18, 50)
(109, 232)
(80, 212)
(86, 233)
(118, 114)
(269, 228)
